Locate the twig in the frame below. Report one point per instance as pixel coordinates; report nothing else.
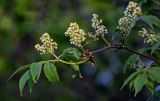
(105, 41)
(102, 49)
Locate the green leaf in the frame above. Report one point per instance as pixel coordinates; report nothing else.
(131, 85)
(143, 50)
(31, 83)
(148, 21)
(139, 82)
(151, 20)
(150, 86)
(155, 72)
(131, 77)
(35, 70)
(23, 80)
(72, 54)
(18, 70)
(130, 61)
(75, 67)
(133, 59)
(154, 47)
(51, 73)
(155, 20)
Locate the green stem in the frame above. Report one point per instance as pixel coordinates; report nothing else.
(82, 49)
(123, 41)
(66, 62)
(88, 42)
(106, 41)
(55, 56)
(56, 60)
(72, 63)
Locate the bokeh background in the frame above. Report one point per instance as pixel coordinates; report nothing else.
(22, 22)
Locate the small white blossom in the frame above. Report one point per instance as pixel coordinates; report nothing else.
(100, 30)
(77, 35)
(148, 37)
(48, 45)
(130, 14)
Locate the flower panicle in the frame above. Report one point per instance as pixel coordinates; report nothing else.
(48, 45)
(99, 28)
(149, 37)
(130, 14)
(77, 35)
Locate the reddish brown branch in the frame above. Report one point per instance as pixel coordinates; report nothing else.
(128, 49)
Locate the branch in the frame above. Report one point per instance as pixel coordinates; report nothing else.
(141, 54)
(128, 49)
(105, 48)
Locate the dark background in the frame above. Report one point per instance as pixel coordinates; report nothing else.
(22, 22)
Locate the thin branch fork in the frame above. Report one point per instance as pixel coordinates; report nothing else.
(128, 49)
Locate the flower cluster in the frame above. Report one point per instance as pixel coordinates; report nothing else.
(48, 45)
(148, 37)
(100, 30)
(130, 14)
(77, 35)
